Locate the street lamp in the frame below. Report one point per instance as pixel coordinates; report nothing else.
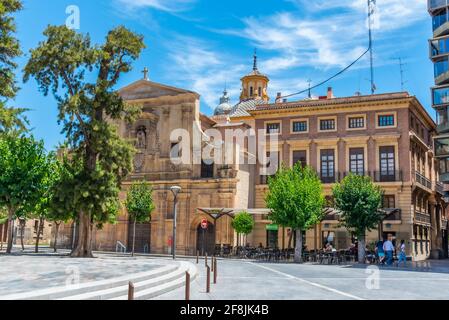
(175, 190)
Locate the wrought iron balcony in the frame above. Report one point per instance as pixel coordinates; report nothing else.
(422, 218)
(422, 180)
(439, 187)
(391, 176)
(393, 214)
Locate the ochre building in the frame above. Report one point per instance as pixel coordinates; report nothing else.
(388, 137)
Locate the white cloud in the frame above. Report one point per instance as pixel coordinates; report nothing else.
(163, 5)
(198, 65)
(327, 34)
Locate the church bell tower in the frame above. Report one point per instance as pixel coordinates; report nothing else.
(255, 84)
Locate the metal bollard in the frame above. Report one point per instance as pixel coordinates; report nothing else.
(208, 280)
(197, 256)
(215, 271)
(212, 264)
(187, 286)
(131, 291)
(205, 260)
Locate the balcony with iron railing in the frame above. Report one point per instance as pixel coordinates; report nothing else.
(422, 218)
(422, 180)
(439, 187)
(376, 176)
(393, 214)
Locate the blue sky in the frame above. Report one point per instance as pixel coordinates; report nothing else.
(202, 44)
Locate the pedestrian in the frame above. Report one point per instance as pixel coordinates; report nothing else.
(380, 251)
(389, 248)
(402, 255)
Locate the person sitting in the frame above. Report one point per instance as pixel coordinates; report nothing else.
(328, 248)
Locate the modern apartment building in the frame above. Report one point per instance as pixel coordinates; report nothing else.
(439, 54)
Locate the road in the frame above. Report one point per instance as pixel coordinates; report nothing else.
(244, 280)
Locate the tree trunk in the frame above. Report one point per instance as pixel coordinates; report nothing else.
(298, 248)
(22, 229)
(10, 229)
(290, 237)
(56, 236)
(361, 248)
(134, 237)
(83, 248)
(40, 227)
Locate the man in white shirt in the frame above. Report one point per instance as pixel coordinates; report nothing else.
(389, 248)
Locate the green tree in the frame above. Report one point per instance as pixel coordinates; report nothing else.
(42, 210)
(296, 200)
(359, 202)
(10, 118)
(63, 64)
(243, 223)
(23, 167)
(139, 203)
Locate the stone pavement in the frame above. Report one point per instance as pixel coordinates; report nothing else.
(27, 272)
(240, 280)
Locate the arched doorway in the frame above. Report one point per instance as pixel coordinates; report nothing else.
(143, 237)
(205, 239)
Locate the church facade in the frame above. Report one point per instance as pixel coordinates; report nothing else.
(388, 137)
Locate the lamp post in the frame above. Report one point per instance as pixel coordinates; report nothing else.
(175, 190)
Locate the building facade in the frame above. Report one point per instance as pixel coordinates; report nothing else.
(388, 137)
(439, 54)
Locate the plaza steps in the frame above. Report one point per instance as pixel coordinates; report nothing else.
(143, 289)
(147, 285)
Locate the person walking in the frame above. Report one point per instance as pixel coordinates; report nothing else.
(402, 255)
(380, 251)
(389, 248)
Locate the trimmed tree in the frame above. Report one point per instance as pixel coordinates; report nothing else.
(296, 200)
(10, 118)
(243, 223)
(139, 203)
(64, 64)
(359, 202)
(23, 166)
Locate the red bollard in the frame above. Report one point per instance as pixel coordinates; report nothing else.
(208, 280)
(131, 291)
(187, 286)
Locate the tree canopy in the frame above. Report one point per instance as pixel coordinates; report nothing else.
(10, 118)
(243, 223)
(296, 200)
(24, 166)
(359, 202)
(139, 201)
(64, 64)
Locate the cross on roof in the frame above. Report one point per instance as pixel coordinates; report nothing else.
(145, 73)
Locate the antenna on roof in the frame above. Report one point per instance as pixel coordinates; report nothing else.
(310, 92)
(371, 11)
(402, 71)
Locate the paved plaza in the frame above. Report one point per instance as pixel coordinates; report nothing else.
(238, 279)
(29, 272)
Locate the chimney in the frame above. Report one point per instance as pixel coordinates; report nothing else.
(330, 94)
(278, 97)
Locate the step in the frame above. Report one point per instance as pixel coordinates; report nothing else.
(174, 284)
(61, 292)
(138, 285)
